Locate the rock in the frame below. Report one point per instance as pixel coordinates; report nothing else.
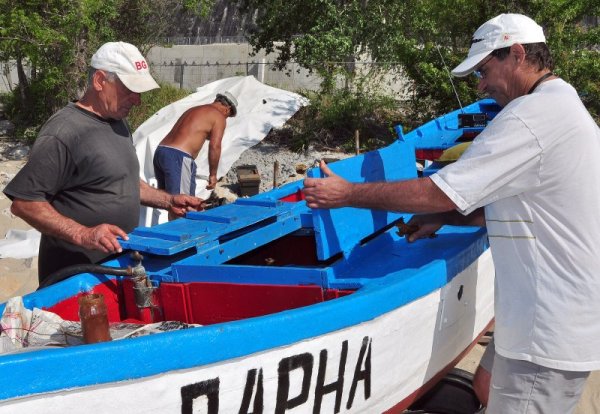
(7, 128)
(18, 152)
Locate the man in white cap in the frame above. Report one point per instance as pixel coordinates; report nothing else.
(531, 178)
(174, 164)
(81, 187)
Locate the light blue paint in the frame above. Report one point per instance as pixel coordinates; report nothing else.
(387, 271)
(56, 369)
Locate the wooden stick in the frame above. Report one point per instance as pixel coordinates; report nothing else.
(275, 172)
(357, 142)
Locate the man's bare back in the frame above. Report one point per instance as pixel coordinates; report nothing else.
(195, 126)
(192, 129)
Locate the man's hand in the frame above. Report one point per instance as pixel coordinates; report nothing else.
(212, 182)
(182, 203)
(424, 226)
(102, 237)
(330, 192)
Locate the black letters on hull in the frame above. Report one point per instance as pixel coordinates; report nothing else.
(258, 405)
(286, 365)
(189, 393)
(337, 386)
(283, 402)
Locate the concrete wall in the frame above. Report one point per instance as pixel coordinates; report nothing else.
(192, 66)
(8, 76)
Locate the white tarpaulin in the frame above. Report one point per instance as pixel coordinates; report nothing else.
(260, 108)
(20, 244)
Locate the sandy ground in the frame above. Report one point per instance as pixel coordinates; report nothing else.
(19, 277)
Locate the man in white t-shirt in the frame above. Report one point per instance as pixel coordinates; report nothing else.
(531, 178)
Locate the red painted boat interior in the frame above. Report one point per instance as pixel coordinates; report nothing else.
(293, 198)
(210, 302)
(200, 303)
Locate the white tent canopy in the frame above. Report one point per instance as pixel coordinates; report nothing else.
(260, 108)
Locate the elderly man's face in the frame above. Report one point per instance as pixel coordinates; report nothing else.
(116, 99)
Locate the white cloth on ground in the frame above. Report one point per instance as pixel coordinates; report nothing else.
(20, 244)
(260, 108)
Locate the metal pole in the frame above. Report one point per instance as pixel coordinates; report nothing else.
(181, 78)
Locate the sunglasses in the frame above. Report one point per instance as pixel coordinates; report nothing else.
(481, 73)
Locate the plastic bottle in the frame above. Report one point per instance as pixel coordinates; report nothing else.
(94, 318)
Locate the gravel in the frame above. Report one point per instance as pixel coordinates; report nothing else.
(292, 165)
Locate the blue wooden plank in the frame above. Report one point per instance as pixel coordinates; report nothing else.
(163, 247)
(260, 275)
(221, 252)
(176, 230)
(258, 202)
(239, 214)
(339, 230)
(202, 230)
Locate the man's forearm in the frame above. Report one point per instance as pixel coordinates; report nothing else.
(43, 217)
(152, 197)
(214, 155)
(413, 196)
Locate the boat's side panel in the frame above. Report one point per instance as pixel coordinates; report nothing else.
(444, 131)
(341, 229)
(369, 367)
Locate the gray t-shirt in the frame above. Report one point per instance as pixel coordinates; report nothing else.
(86, 168)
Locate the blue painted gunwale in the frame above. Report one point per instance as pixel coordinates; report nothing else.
(398, 273)
(65, 368)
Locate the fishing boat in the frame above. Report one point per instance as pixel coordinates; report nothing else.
(286, 309)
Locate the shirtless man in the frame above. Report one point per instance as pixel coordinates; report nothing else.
(174, 164)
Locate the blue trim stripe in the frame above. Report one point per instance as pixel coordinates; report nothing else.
(58, 369)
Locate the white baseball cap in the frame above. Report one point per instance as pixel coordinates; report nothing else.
(126, 61)
(502, 31)
(231, 101)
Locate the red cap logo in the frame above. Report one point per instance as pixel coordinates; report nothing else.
(141, 65)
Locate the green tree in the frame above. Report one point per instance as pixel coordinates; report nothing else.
(51, 43)
(419, 36)
(47, 42)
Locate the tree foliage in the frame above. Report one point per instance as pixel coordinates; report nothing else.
(423, 37)
(51, 43)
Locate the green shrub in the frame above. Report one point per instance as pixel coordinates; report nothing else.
(332, 119)
(153, 101)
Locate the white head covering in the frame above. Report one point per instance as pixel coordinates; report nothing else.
(502, 31)
(126, 61)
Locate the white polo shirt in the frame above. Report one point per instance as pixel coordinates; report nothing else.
(536, 169)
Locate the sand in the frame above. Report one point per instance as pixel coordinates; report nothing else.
(19, 277)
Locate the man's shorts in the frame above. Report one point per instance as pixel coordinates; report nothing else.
(175, 170)
(526, 388)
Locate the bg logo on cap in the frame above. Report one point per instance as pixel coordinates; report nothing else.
(139, 65)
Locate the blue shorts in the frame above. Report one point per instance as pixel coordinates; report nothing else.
(175, 170)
